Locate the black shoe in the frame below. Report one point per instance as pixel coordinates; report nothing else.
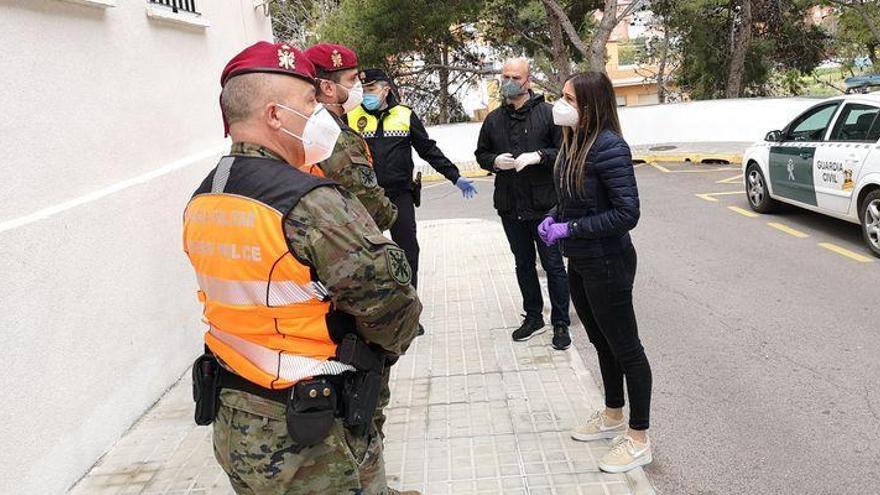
(529, 329)
(561, 339)
(421, 330)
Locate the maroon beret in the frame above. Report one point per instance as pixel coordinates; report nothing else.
(275, 58)
(331, 58)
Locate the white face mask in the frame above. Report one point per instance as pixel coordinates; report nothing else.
(564, 114)
(355, 97)
(319, 136)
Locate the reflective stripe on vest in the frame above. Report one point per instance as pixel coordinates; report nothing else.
(267, 317)
(291, 368)
(394, 124)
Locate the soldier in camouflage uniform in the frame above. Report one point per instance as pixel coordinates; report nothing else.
(351, 164)
(365, 274)
(340, 90)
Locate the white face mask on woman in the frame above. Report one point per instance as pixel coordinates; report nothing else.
(319, 136)
(564, 114)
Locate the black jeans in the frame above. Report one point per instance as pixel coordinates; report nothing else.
(523, 238)
(601, 290)
(403, 232)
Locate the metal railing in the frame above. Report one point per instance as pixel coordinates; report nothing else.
(178, 5)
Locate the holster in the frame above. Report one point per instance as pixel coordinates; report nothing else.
(206, 388)
(311, 410)
(361, 389)
(417, 190)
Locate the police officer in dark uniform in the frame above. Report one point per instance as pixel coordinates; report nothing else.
(392, 131)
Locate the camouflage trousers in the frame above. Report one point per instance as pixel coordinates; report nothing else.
(252, 445)
(379, 417)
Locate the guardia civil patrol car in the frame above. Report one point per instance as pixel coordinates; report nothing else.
(826, 160)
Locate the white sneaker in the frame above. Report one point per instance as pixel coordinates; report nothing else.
(598, 427)
(625, 455)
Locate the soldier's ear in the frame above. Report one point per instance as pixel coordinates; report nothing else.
(272, 115)
(326, 87)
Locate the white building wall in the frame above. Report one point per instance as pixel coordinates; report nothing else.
(108, 121)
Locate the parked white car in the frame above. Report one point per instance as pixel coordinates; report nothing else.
(826, 160)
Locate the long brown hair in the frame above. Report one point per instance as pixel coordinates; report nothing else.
(597, 110)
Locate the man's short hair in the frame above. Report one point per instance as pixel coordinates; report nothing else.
(244, 95)
(334, 76)
(520, 60)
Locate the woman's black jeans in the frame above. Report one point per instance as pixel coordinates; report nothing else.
(601, 290)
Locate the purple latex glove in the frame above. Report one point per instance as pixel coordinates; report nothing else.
(543, 226)
(555, 232)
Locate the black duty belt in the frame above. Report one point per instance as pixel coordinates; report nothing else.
(232, 381)
(229, 380)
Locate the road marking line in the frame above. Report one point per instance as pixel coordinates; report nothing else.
(701, 171)
(743, 212)
(660, 167)
(731, 180)
(846, 252)
(788, 230)
(711, 196)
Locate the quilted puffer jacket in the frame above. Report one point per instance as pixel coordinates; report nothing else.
(601, 219)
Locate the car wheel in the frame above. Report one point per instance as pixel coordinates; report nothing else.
(757, 190)
(869, 211)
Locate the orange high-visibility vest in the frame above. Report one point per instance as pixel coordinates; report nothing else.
(267, 313)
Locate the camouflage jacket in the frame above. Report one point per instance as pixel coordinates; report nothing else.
(366, 274)
(351, 165)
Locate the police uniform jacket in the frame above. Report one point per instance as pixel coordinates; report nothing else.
(392, 134)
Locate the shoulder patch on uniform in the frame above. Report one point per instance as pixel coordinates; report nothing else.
(368, 177)
(398, 267)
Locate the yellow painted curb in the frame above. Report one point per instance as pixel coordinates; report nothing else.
(688, 157)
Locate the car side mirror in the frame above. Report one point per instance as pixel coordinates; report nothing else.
(773, 136)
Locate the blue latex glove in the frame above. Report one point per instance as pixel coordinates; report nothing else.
(555, 232)
(543, 226)
(468, 190)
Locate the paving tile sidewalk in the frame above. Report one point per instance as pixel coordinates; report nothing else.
(472, 412)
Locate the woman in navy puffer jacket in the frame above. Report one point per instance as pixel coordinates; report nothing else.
(598, 206)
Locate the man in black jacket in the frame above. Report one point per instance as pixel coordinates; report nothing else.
(519, 143)
(392, 131)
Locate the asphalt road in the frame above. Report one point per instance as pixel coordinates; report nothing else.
(765, 346)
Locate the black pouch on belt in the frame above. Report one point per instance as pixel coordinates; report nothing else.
(311, 410)
(206, 388)
(417, 190)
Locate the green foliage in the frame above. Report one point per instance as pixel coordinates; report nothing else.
(522, 27)
(853, 40)
(782, 42)
(403, 37)
(386, 31)
(630, 52)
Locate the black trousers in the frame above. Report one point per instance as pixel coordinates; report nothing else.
(522, 235)
(403, 232)
(601, 290)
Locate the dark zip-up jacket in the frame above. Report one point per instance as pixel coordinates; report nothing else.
(600, 221)
(528, 194)
(392, 154)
